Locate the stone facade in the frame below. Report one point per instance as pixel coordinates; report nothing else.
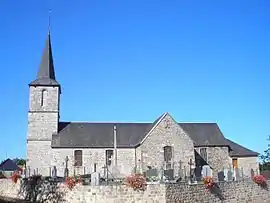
(166, 133)
(149, 153)
(43, 118)
(232, 192)
(125, 160)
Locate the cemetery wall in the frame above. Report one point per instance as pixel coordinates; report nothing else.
(232, 192)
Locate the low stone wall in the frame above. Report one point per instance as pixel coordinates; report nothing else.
(98, 194)
(230, 192)
(226, 192)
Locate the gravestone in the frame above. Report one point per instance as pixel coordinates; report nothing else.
(198, 173)
(54, 172)
(169, 174)
(181, 170)
(95, 177)
(206, 171)
(237, 174)
(115, 173)
(229, 175)
(221, 176)
(225, 174)
(252, 173)
(151, 172)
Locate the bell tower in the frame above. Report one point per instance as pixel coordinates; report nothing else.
(43, 113)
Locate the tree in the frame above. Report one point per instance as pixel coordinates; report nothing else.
(20, 162)
(265, 157)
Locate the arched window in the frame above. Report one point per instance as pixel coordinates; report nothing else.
(203, 153)
(168, 155)
(43, 97)
(78, 158)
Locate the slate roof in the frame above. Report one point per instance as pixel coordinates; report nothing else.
(46, 73)
(204, 134)
(129, 134)
(240, 151)
(8, 165)
(101, 135)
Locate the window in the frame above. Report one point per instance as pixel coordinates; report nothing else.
(203, 153)
(109, 155)
(168, 156)
(78, 158)
(43, 96)
(235, 163)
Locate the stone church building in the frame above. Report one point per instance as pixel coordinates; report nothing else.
(122, 147)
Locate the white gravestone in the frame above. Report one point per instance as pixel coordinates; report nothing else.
(206, 171)
(95, 178)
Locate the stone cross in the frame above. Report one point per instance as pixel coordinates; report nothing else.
(191, 170)
(66, 169)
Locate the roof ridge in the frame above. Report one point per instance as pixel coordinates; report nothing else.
(189, 122)
(104, 122)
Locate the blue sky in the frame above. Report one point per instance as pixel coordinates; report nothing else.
(202, 61)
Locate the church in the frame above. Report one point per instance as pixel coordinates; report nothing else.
(122, 147)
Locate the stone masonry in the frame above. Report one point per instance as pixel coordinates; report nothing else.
(166, 133)
(232, 192)
(125, 160)
(218, 158)
(43, 117)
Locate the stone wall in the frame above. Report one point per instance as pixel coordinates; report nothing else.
(232, 192)
(96, 194)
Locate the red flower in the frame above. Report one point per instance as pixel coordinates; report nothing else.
(259, 179)
(15, 176)
(136, 181)
(71, 182)
(208, 182)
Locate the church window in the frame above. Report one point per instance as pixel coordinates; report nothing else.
(203, 153)
(78, 158)
(109, 155)
(168, 156)
(43, 96)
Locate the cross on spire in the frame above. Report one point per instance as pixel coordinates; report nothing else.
(49, 21)
(46, 73)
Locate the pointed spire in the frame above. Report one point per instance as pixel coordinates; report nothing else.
(46, 68)
(46, 74)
